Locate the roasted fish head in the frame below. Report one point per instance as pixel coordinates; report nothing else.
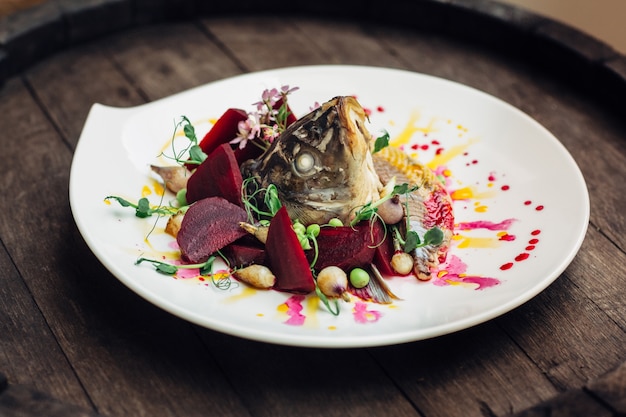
(321, 165)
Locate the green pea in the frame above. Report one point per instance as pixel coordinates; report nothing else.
(304, 242)
(181, 197)
(299, 228)
(335, 222)
(313, 230)
(359, 278)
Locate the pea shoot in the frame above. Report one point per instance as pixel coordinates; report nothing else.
(368, 211)
(192, 154)
(205, 269)
(381, 142)
(412, 241)
(170, 269)
(143, 208)
(252, 192)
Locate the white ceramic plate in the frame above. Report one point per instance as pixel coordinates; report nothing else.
(521, 206)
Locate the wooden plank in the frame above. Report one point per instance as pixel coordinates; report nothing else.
(22, 401)
(611, 389)
(31, 35)
(165, 59)
(258, 44)
(476, 372)
(599, 270)
(575, 403)
(29, 352)
(54, 84)
(286, 381)
(347, 42)
(119, 345)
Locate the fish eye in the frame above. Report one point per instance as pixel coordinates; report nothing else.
(304, 162)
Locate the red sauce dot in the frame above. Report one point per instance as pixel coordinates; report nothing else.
(521, 257)
(200, 278)
(530, 247)
(491, 178)
(507, 237)
(474, 162)
(539, 208)
(535, 232)
(506, 266)
(380, 109)
(435, 142)
(527, 202)
(438, 151)
(465, 153)
(424, 147)
(415, 147)
(505, 188)
(533, 241)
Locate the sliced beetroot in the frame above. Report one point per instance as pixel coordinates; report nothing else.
(286, 257)
(209, 225)
(248, 152)
(224, 130)
(241, 254)
(347, 247)
(217, 176)
(290, 116)
(382, 256)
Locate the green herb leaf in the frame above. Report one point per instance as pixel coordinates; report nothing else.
(196, 155)
(189, 130)
(326, 302)
(433, 237)
(411, 241)
(381, 142)
(143, 208)
(271, 199)
(207, 267)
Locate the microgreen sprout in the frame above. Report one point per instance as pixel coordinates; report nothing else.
(143, 208)
(368, 211)
(412, 241)
(381, 142)
(251, 191)
(205, 270)
(326, 301)
(170, 269)
(192, 154)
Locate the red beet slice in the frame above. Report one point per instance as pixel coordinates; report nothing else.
(347, 247)
(223, 131)
(241, 254)
(217, 176)
(286, 257)
(290, 116)
(382, 256)
(209, 225)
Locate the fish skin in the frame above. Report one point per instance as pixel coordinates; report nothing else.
(428, 206)
(321, 165)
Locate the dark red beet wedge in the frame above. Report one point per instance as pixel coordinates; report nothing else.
(209, 225)
(217, 176)
(347, 247)
(224, 130)
(286, 257)
(242, 253)
(382, 256)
